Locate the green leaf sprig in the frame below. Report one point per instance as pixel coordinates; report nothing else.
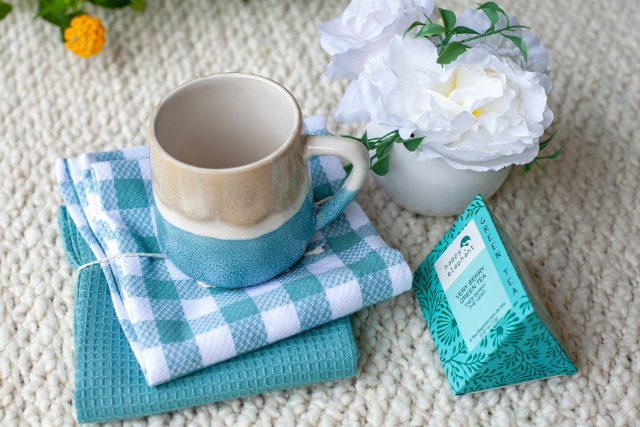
(450, 50)
(543, 145)
(379, 162)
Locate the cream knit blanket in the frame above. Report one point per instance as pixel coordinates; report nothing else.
(578, 227)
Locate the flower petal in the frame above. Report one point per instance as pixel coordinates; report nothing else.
(352, 108)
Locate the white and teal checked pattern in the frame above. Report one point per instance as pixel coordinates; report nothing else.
(176, 326)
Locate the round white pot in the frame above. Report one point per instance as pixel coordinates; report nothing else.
(431, 187)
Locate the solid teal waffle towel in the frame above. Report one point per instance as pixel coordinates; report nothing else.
(110, 384)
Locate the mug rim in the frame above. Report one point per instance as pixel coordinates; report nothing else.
(293, 134)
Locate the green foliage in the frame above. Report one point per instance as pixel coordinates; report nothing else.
(61, 12)
(543, 144)
(521, 45)
(5, 9)
(52, 7)
(461, 29)
(112, 4)
(138, 5)
(448, 18)
(52, 12)
(431, 30)
(380, 160)
(381, 167)
(450, 50)
(412, 144)
(491, 10)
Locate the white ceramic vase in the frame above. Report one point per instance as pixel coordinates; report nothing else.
(431, 187)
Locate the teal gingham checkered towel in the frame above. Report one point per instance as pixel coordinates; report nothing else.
(174, 325)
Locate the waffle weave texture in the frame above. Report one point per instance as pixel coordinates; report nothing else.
(111, 386)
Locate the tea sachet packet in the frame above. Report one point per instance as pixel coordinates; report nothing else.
(483, 310)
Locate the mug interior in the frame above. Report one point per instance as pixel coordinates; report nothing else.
(225, 121)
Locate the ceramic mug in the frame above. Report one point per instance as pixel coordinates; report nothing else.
(231, 182)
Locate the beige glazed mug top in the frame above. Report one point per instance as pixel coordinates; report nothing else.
(229, 156)
(226, 152)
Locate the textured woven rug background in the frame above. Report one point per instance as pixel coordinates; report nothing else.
(577, 226)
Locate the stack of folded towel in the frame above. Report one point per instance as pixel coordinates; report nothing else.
(179, 344)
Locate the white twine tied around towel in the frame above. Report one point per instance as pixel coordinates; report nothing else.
(116, 256)
(316, 251)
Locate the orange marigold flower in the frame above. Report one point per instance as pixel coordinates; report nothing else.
(85, 35)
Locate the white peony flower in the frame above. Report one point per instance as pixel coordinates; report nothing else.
(364, 26)
(497, 44)
(480, 112)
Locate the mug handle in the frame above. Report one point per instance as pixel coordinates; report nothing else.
(353, 151)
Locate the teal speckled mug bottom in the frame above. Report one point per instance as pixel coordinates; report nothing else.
(239, 263)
